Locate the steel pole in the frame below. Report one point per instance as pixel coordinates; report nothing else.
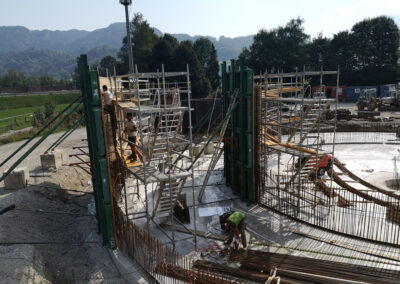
(128, 34)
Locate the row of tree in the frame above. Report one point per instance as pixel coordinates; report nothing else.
(150, 51)
(367, 54)
(15, 79)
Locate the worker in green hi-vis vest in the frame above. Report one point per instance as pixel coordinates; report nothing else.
(235, 224)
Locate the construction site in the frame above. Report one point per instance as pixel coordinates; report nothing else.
(319, 195)
(321, 205)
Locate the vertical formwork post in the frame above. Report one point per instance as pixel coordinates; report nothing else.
(233, 153)
(239, 147)
(97, 150)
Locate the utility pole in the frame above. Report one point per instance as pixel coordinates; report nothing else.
(127, 3)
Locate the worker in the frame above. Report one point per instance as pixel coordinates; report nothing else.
(236, 225)
(109, 103)
(131, 131)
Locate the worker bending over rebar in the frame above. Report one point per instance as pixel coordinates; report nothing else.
(235, 224)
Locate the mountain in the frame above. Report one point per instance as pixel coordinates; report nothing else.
(17, 38)
(45, 48)
(39, 62)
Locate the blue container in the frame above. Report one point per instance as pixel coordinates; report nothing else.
(387, 89)
(353, 92)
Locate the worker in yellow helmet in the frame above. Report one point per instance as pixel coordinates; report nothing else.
(235, 224)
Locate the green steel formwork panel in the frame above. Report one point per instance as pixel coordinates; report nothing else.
(97, 150)
(239, 149)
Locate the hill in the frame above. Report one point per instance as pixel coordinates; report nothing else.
(58, 64)
(53, 52)
(39, 62)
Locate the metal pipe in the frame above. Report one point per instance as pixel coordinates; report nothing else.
(128, 34)
(40, 131)
(8, 208)
(168, 158)
(38, 143)
(65, 135)
(190, 150)
(141, 139)
(212, 136)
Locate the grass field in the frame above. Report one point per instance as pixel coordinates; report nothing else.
(24, 117)
(15, 112)
(16, 102)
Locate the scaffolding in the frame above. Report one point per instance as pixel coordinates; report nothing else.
(297, 173)
(291, 121)
(151, 186)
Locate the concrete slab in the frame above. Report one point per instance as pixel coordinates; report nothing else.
(51, 160)
(23, 264)
(64, 155)
(17, 179)
(196, 150)
(209, 149)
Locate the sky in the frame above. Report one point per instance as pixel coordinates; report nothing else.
(229, 18)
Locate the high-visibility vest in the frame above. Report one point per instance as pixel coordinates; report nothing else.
(236, 218)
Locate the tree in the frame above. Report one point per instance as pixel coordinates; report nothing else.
(49, 108)
(318, 52)
(13, 78)
(398, 67)
(261, 52)
(107, 63)
(47, 81)
(38, 118)
(283, 48)
(207, 55)
(164, 52)
(341, 53)
(291, 44)
(185, 54)
(202, 46)
(76, 80)
(143, 41)
(212, 70)
(245, 56)
(375, 43)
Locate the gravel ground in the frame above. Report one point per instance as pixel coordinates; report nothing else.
(60, 244)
